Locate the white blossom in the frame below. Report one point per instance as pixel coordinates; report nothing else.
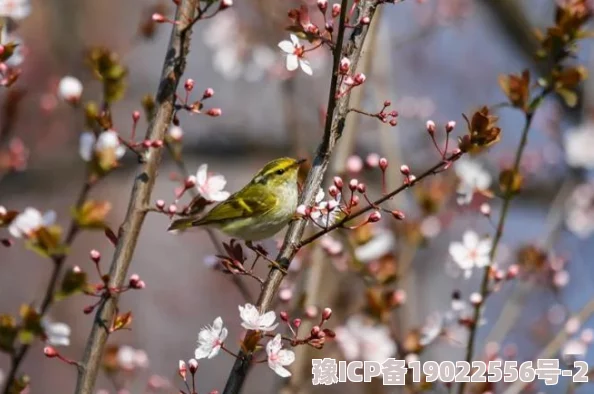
(472, 177)
(362, 340)
(278, 357)
(471, 252)
(579, 217)
(210, 339)
(130, 359)
(57, 334)
(432, 329)
(578, 143)
(15, 9)
(253, 320)
(29, 221)
(294, 52)
(108, 140)
(211, 186)
(70, 88)
(325, 213)
(175, 132)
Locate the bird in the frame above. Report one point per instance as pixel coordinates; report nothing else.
(260, 209)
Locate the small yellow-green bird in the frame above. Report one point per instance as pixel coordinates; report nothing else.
(259, 210)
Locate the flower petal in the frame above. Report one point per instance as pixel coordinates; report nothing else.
(470, 239)
(280, 370)
(286, 357)
(458, 251)
(202, 175)
(305, 66)
(286, 46)
(267, 319)
(292, 62)
(294, 39)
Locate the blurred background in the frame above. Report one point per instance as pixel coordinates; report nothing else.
(434, 59)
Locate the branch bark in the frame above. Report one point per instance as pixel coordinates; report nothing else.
(334, 125)
(173, 67)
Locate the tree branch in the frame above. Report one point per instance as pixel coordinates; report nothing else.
(48, 297)
(173, 67)
(334, 125)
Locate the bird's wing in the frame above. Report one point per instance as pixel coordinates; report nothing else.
(240, 207)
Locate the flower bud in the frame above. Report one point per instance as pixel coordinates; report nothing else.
(315, 331)
(393, 122)
(157, 143)
(172, 208)
(193, 366)
(387, 103)
(134, 278)
(399, 215)
(226, 4)
(214, 112)
(338, 182)
(332, 204)
(50, 352)
(189, 84)
(375, 216)
(383, 163)
(95, 255)
(333, 191)
(160, 204)
(88, 309)
(353, 184)
(323, 5)
(76, 269)
(135, 116)
(329, 26)
(485, 209)
(345, 65)
(372, 160)
(284, 316)
(476, 299)
(147, 143)
(361, 188)
(182, 369)
(311, 311)
(70, 89)
(190, 182)
(296, 323)
(365, 20)
(430, 127)
(450, 126)
(208, 93)
(355, 201)
(326, 313)
(405, 170)
(359, 78)
(158, 18)
(512, 271)
(335, 10)
(354, 164)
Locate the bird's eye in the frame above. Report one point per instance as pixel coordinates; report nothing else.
(280, 172)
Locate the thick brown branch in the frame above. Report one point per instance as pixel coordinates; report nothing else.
(174, 64)
(334, 125)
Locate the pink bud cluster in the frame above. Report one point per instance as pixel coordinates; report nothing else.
(317, 335)
(431, 130)
(197, 106)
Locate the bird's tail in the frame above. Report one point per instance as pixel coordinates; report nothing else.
(181, 224)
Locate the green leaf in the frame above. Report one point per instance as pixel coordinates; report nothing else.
(74, 282)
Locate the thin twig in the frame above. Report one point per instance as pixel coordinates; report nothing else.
(484, 289)
(174, 65)
(431, 171)
(48, 297)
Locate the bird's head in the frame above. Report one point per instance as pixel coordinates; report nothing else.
(279, 172)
